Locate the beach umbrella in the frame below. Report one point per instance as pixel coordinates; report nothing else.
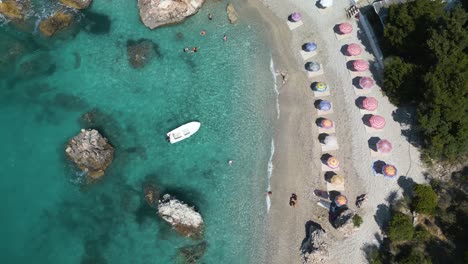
(324, 105)
(333, 162)
(377, 121)
(345, 28)
(366, 82)
(337, 179)
(389, 171)
(295, 17)
(341, 200)
(326, 123)
(310, 46)
(370, 103)
(360, 65)
(326, 3)
(384, 146)
(320, 87)
(312, 66)
(353, 49)
(330, 141)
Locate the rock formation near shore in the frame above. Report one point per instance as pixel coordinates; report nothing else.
(155, 13)
(232, 13)
(314, 248)
(15, 10)
(54, 23)
(183, 218)
(90, 152)
(344, 222)
(78, 4)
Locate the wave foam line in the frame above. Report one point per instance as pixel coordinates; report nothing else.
(273, 72)
(270, 172)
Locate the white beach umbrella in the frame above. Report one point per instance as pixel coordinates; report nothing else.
(330, 141)
(326, 3)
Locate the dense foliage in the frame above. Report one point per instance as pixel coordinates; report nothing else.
(424, 200)
(427, 65)
(401, 227)
(357, 220)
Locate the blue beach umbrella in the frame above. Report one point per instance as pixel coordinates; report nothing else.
(324, 105)
(310, 46)
(312, 66)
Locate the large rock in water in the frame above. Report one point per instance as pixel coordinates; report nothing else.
(78, 4)
(14, 10)
(90, 152)
(232, 14)
(183, 218)
(155, 13)
(54, 23)
(314, 248)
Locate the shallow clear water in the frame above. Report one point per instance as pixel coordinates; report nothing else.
(226, 86)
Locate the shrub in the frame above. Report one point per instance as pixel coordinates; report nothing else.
(357, 220)
(401, 227)
(424, 200)
(414, 257)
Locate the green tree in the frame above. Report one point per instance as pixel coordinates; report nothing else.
(357, 220)
(414, 257)
(401, 227)
(399, 82)
(424, 199)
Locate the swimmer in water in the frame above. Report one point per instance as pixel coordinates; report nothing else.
(195, 49)
(230, 162)
(225, 38)
(210, 17)
(186, 49)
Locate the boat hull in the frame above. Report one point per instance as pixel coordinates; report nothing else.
(183, 132)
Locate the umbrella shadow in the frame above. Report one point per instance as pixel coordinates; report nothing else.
(319, 5)
(356, 82)
(336, 29)
(328, 175)
(312, 86)
(322, 194)
(304, 47)
(358, 102)
(319, 121)
(378, 166)
(290, 18)
(366, 119)
(372, 143)
(333, 195)
(325, 158)
(349, 66)
(344, 50)
(321, 137)
(317, 103)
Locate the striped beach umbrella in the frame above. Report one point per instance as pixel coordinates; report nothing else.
(353, 49)
(370, 103)
(333, 162)
(384, 146)
(377, 122)
(389, 171)
(345, 28)
(310, 46)
(320, 87)
(326, 123)
(312, 66)
(330, 141)
(366, 82)
(324, 105)
(360, 65)
(296, 16)
(341, 200)
(337, 179)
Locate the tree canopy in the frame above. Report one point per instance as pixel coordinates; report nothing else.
(424, 200)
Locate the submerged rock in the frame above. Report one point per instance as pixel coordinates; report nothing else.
(54, 23)
(232, 13)
(141, 52)
(155, 13)
(183, 218)
(14, 10)
(78, 4)
(90, 152)
(151, 194)
(192, 254)
(314, 248)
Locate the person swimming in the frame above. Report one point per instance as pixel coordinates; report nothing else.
(210, 17)
(225, 38)
(186, 49)
(195, 49)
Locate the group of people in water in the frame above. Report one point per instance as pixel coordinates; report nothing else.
(203, 33)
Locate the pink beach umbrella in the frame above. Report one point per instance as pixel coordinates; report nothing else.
(389, 171)
(353, 49)
(384, 146)
(370, 103)
(326, 123)
(296, 16)
(360, 65)
(366, 82)
(377, 122)
(333, 162)
(345, 28)
(341, 200)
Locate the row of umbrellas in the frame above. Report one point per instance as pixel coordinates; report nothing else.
(375, 121)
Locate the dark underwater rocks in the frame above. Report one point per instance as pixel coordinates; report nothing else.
(96, 23)
(192, 254)
(141, 52)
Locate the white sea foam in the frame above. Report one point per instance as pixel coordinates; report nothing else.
(270, 172)
(273, 72)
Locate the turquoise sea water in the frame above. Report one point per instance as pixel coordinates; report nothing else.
(228, 87)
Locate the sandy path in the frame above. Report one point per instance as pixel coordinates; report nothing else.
(297, 158)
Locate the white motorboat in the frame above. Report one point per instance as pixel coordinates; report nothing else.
(183, 132)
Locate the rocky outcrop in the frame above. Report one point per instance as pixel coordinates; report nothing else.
(314, 247)
(78, 4)
(232, 14)
(182, 218)
(141, 52)
(54, 23)
(14, 10)
(90, 152)
(344, 222)
(155, 13)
